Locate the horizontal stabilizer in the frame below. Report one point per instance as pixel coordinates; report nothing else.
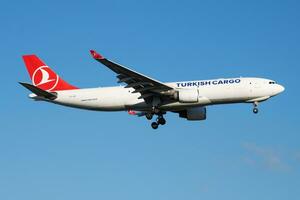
(39, 92)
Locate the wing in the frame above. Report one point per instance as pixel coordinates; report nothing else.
(142, 84)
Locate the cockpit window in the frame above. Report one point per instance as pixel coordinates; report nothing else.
(272, 82)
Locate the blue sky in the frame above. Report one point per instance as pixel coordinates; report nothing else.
(51, 152)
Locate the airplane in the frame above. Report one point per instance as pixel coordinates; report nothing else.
(144, 96)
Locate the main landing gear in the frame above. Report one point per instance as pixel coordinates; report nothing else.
(154, 125)
(149, 116)
(255, 109)
(160, 120)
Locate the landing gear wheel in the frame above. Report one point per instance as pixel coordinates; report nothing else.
(161, 121)
(154, 125)
(255, 110)
(149, 116)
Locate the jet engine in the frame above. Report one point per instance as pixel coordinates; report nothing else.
(196, 113)
(187, 96)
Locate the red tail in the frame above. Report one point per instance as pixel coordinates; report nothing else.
(43, 77)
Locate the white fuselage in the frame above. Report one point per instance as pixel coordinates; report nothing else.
(216, 91)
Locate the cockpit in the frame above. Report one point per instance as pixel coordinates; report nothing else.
(272, 82)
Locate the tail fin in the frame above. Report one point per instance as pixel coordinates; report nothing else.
(43, 76)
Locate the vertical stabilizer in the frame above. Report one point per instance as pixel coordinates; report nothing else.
(43, 77)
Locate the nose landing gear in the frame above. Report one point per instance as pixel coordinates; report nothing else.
(255, 109)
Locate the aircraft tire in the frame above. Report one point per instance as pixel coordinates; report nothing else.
(154, 125)
(161, 121)
(255, 110)
(149, 116)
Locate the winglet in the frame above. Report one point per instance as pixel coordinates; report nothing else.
(96, 55)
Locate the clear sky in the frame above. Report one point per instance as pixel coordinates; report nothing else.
(50, 152)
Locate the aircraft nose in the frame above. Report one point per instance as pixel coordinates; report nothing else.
(280, 88)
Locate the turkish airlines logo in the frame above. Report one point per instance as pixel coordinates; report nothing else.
(44, 78)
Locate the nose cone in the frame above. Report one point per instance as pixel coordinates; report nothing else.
(280, 88)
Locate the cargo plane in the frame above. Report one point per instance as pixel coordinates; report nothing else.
(144, 96)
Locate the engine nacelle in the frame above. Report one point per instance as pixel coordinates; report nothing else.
(187, 96)
(196, 113)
